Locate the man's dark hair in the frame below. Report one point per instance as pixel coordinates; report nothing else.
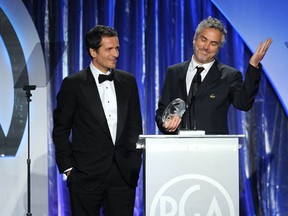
(93, 37)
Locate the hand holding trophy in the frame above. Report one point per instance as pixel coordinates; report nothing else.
(176, 107)
(171, 118)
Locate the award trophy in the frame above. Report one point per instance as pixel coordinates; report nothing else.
(176, 107)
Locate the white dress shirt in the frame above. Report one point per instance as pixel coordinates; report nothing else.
(108, 98)
(192, 71)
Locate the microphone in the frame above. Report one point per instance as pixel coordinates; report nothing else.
(190, 127)
(194, 114)
(29, 87)
(196, 82)
(187, 119)
(190, 101)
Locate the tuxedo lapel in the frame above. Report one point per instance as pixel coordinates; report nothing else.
(91, 94)
(121, 90)
(182, 78)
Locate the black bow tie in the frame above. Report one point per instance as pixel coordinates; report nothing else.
(103, 77)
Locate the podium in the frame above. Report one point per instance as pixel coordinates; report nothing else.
(191, 176)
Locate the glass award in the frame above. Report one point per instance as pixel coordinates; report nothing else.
(176, 107)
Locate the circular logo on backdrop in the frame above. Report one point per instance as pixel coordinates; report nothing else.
(23, 59)
(192, 195)
(10, 141)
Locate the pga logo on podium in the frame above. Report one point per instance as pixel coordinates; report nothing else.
(192, 195)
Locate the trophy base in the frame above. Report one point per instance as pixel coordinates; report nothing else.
(184, 132)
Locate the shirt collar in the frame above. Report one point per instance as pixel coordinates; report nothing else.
(96, 71)
(206, 66)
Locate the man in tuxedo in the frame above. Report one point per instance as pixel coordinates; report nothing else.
(100, 107)
(219, 85)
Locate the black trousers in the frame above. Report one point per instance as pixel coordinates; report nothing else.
(114, 196)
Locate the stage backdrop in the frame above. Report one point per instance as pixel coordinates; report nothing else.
(153, 35)
(22, 62)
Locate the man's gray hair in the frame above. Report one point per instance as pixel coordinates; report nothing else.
(211, 22)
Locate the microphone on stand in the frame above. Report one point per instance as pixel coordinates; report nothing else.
(196, 82)
(194, 125)
(190, 126)
(192, 129)
(187, 119)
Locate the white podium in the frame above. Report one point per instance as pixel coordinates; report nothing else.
(191, 176)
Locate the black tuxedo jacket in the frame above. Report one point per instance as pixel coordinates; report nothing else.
(90, 150)
(222, 86)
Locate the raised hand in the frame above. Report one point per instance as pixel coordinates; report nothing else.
(260, 52)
